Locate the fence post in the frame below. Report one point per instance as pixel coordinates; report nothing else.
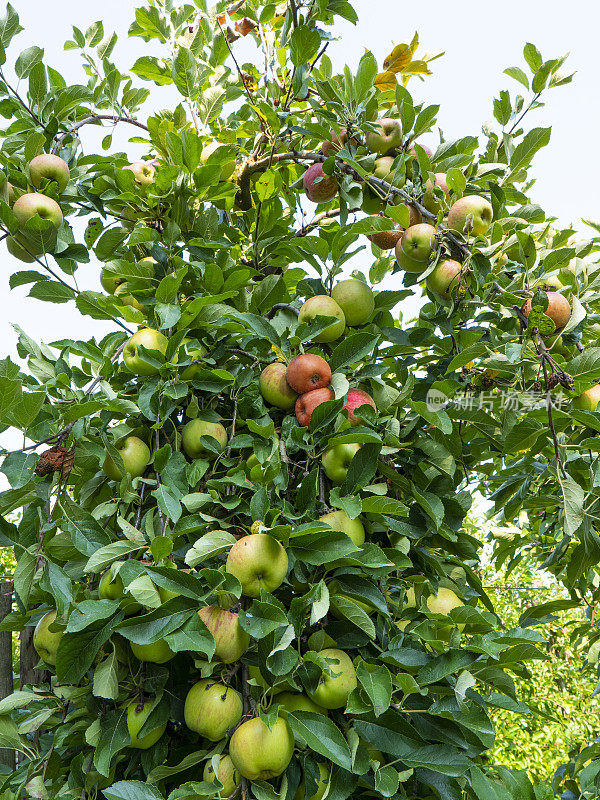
(7, 757)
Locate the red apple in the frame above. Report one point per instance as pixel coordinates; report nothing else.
(275, 388)
(354, 399)
(473, 208)
(444, 280)
(306, 403)
(307, 372)
(319, 187)
(558, 310)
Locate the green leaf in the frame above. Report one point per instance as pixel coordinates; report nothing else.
(322, 736)
(185, 72)
(27, 60)
(377, 683)
(304, 45)
(532, 56)
(353, 348)
(524, 152)
(51, 292)
(518, 74)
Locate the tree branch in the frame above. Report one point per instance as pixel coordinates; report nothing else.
(92, 119)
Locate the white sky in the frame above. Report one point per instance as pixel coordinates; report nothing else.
(478, 48)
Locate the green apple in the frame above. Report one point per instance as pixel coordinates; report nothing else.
(355, 299)
(258, 561)
(319, 187)
(430, 201)
(137, 714)
(231, 640)
(227, 775)
(336, 461)
(28, 205)
(46, 641)
(136, 457)
(407, 263)
(322, 784)
(110, 281)
(227, 167)
(442, 603)
(123, 292)
(274, 387)
(273, 688)
(49, 167)
(194, 430)
(143, 172)
(197, 353)
(384, 170)
(588, 400)
(471, 211)
(386, 137)
(321, 305)
(149, 339)
(340, 521)
(445, 279)
(333, 690)
(293, 701)
(418, 241)
(156, 653)
(112, 588)
(259, 753)
(211, 709)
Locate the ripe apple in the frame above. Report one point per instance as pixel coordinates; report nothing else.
(386, 240)
(137, 714)
(292, 701)
(258, 561)
(143, 172)
(274, 387)
(335, 142)
(227, 775)
(49, 167)
(407, 263)
(413, 153)
(28, 205)
(340, 521)
(194, 430)
(336, 461)
(445, 279)
(156, 653)
(259, 753)
(588, 400)
(306, 404)
(321, 305)
(46, 641)
(211, 709)
(112, 588)
(332, 692)
(110, 281)
(384, 170)
(322, 784)
(354, 400)
(558, 310)
(386, 137)
(319, 187)
(136, 457)
(124, 294)
(418, 241)
(356, 300)
(151, 340)
(307, 372)
(471, 205)
(430, 201)
(231, 640)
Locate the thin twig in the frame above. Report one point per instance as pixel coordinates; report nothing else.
(59, 139)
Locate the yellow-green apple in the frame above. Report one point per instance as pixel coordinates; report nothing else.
(156, 653)
(307, 372)
(336, 461)
(28, 205)
(292, 701)
(321, 305)
(354, 400)
(136, 457)
(259, 753)
(110, 281)
(355, 299)
(384, 170)
(46, 641)
(386, 137)
(194, 430)
(407, 263)
(258, 561)
(430, 200)
(123, 292)
(442, 603)
(332, 690)
(49, 167)
(418, 241)
(588, 400)
(143, 172)
(340, 521)
(231, 640)
(319, 187)
(558, 310)
(227, 775)
(475, 210)
(227, 167)
(137, 714)
(445, 279)
(211, 708)
(306, 403)
(149, 339)
(274, 387)
(322, 784)
(112, 588)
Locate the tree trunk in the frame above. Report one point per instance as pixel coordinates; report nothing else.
(7, 757)
(28, 674)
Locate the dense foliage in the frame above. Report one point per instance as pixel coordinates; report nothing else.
(172, 526)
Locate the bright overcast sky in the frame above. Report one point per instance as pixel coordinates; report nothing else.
(480, 40)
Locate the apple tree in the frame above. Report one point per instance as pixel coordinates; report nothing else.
(239, 514)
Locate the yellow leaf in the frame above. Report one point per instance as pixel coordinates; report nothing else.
(279, 354)
(398, 58)
(417, 68)
(385, 81)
